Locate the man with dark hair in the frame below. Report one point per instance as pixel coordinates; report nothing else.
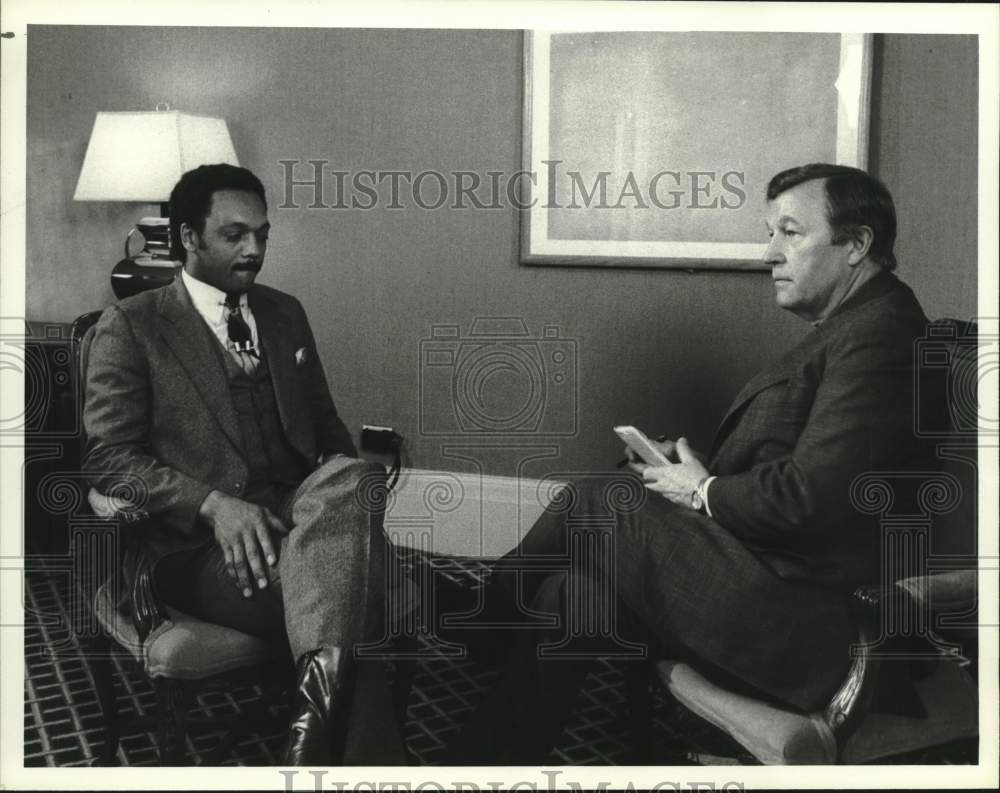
(744, 560)
(854, 199)
(191, 198)
(211, 392)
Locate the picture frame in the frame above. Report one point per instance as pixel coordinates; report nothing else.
(653, 149)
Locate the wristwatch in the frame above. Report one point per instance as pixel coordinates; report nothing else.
(697, 497)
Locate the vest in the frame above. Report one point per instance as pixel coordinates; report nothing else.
(276, 467)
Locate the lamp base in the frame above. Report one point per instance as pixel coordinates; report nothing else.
(130, 277)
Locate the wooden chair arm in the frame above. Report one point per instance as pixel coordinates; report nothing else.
(147, 610)
(848, 705)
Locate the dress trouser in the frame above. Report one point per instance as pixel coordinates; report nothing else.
(327, 590)
(643, 576)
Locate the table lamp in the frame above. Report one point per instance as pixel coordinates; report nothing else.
(139, 156)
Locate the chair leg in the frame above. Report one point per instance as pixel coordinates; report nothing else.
(638, 694)
(402, 684)
(164, 724)
(102, 667)
(173, 698)
(180, 708)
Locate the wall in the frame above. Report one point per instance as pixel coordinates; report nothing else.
(925, 134)
(663, 350)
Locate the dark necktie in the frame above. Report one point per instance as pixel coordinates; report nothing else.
(239, 334)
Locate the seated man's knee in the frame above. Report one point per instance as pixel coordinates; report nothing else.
(340, 466)
(345, 477)
(599, 494)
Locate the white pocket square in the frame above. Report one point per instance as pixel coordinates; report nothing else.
(301, 356)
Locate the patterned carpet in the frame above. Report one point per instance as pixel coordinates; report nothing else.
(63, 726)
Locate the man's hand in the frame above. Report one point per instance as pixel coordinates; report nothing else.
(667, 447)
(242, 531)
(678, 481)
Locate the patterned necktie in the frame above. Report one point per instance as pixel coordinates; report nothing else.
(240, 338)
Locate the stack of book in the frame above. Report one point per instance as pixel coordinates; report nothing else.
(156, 233)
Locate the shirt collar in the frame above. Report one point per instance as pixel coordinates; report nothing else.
(208, 300)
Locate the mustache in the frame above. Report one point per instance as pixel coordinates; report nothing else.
(253, 265)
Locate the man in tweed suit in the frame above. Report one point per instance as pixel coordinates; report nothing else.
(745, 560)
(211, 392)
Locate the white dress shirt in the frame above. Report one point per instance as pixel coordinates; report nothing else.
(210, 303)
(704, 494)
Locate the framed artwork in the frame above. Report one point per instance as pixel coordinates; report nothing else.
(654, 149)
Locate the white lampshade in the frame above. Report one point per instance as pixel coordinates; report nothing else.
(140, 156)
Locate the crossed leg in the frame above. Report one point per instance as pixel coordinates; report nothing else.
(658, 577)
(326, 591)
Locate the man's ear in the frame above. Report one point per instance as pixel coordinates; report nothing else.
(188, 237)
(859, 243)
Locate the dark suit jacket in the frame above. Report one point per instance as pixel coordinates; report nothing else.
(158, 406)
(841, 403)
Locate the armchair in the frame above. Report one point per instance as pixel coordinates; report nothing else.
(181, 655)
(918, 630)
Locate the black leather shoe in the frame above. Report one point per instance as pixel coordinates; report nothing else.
(318, 729)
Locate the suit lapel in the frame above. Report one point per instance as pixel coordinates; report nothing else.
(190, 340)
(876, 287)
(778, 372)
(755, 385)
